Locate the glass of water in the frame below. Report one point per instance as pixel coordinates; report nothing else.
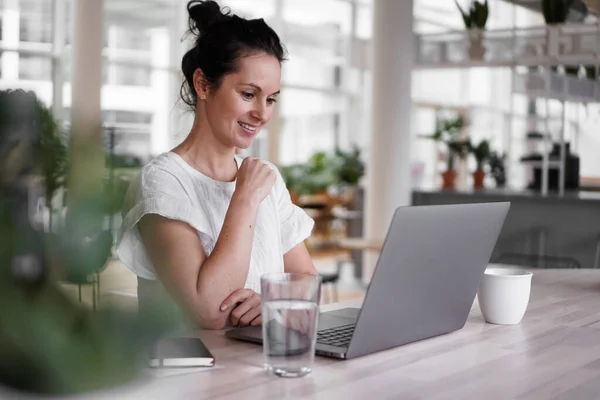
(290, 310)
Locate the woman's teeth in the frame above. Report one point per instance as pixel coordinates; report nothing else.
(248, 127)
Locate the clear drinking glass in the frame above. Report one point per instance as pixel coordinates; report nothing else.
(290, 309)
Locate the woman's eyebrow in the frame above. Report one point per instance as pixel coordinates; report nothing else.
(258, 88)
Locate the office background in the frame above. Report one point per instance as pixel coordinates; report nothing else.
(326, 82)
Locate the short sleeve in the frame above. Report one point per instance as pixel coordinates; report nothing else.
(296, 224)
(154, 191)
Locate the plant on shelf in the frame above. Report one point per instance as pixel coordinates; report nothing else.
(448, 133)
(349, 169)
(556, 11)
(311, 178)
(591, 72)
(497, 168)
(482, 153)
(475, 19)
(349, 166)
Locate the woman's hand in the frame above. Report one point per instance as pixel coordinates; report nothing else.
(245, 307)
(254, 179)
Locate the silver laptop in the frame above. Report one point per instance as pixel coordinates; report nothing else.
(424, 283)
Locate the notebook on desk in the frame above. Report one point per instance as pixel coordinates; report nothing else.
(180, 352)
(424, 283)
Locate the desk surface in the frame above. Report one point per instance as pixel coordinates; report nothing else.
(555, 351)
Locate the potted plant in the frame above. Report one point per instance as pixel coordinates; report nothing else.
(556, 11)
(448, 132)
(475, 19)
(482, 153)
(349, 168)
(497, 168)
(54, 155)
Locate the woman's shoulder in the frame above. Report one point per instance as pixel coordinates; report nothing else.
(163, 171)
(164, 162)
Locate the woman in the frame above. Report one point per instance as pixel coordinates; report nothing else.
(199, 221)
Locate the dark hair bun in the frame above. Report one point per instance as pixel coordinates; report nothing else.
(204, 14)
(222, 39)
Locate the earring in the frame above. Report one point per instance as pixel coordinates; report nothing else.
(202, 97)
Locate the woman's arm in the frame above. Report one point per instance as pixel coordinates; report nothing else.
(298, 260)
(199, 283)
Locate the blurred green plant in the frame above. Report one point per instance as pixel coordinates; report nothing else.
(49, 344)
(54, 153)
(498, 168)
(476, 15)
(448, 132)
(556, 11)
(323, 170)
(482, 153)
(314, 176)
(349, 166)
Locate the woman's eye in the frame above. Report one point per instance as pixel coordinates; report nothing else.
(248, 95)
(271, 101)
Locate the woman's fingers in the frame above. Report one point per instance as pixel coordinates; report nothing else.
(244, 305)
(251, 314)
(237, 296)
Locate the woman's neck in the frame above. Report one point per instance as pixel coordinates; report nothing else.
(202, 151)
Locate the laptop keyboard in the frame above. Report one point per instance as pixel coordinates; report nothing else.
(339, 336)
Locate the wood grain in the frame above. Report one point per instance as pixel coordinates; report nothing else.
(553, 353)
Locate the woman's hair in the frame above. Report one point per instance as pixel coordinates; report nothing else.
(222, 40)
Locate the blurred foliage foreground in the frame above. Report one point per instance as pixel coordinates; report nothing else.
(48, 343)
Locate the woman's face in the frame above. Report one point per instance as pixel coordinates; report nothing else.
(244, 102)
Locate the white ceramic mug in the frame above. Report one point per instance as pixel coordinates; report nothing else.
(503, 295)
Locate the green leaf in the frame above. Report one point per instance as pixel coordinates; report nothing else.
(466, 17)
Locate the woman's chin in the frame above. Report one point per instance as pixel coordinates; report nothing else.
(243, 143)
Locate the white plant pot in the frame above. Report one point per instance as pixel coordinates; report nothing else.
(476, 47)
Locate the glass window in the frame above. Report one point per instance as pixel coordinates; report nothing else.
(36, 21)
(364, 22)
(130, 117)
(35, 68)
(252, 8)
(129, 39)
(126, 75)
(311, 122)
(319, 12)
(303, 135)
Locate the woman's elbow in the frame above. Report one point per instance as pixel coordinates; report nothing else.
(211, 319)
(213, 324)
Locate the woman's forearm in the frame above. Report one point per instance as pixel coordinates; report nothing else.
(226, 269)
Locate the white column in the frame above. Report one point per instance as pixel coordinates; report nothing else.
(276, 123)
(86, 138)
(87, 62)
(10, 39)
(388, 166)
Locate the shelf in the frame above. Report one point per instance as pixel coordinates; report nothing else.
(567, 44)
(555, 86)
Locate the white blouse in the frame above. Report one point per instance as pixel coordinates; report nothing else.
(170, 187)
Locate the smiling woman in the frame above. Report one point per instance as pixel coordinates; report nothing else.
(201, 225)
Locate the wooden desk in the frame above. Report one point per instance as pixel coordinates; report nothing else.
(361, 244)
(555, 351)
